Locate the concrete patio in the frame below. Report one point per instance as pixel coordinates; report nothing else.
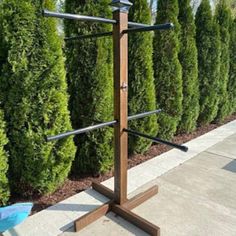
(197, 195)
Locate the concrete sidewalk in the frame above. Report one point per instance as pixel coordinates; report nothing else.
(197, 195)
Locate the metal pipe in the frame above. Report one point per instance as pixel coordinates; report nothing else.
(157, 140)
(47, 13)
(138, 116)
(149, 28)
(89, 36)
(80, 131)
(135, 24)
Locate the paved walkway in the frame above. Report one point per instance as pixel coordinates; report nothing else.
(197, 195)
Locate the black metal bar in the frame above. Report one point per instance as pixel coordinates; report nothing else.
(89, 36)
(80, 131)
(157, 140)
(47, 13)
(98, 126)
(135, 24)
(149, 28)
(138, 116)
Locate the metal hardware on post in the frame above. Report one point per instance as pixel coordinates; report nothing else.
(157, 140)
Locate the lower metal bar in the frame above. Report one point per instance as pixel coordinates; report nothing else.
(149, 28)
(102, 125)
(80, 131)
(157, 140)
(144, 114)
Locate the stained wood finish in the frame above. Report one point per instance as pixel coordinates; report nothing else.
(92, 216)
(120, 42)
(136, 220)
(103, 190)
(119, 203)
(140, 198)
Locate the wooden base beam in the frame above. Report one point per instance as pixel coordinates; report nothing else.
(136, 220)
(103, 190)
(140, 198)
(92, 216)
(122, 210)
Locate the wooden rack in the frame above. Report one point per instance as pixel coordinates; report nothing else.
(119, 203)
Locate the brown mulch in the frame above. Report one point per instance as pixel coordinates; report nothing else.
(75, 185)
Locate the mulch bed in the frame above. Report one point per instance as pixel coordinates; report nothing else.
(74, 185)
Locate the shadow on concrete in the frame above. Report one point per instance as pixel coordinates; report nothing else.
(231, 166)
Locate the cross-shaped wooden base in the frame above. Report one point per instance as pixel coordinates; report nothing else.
(123, 210)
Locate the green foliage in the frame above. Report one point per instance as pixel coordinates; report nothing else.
(223, 19)
(188, 60)
(208, 45)
(167, 69)
(34, 92)
(89, 67)
(141, 82)
(232, 70)
(4, 187)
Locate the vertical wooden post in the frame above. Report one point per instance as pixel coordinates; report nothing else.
(120, 44)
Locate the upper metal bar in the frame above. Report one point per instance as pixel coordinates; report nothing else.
(138, 116)
(135, 24)
(157, 140)
(87, 18)
(77, 17)
(97, 35)
(80, 131)
(149, 28)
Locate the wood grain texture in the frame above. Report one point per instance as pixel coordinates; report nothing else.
(120, 42)
(136, 220)
(140, 198)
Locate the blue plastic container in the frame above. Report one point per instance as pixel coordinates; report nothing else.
(13, 215)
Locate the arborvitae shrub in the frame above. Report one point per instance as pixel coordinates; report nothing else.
(141, 81)
(208, 45)
(188, 60)
(4, 187)
(34, 92)
(222, 17)
(167, 69)
(90, 79)
(232, 70)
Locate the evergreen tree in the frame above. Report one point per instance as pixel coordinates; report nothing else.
(223, 19)
(4, 187)
(208, 45)
(141, 81)
(89, 67)
(232, 70)
(34, 93)
(188, 60)
(167, 69)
